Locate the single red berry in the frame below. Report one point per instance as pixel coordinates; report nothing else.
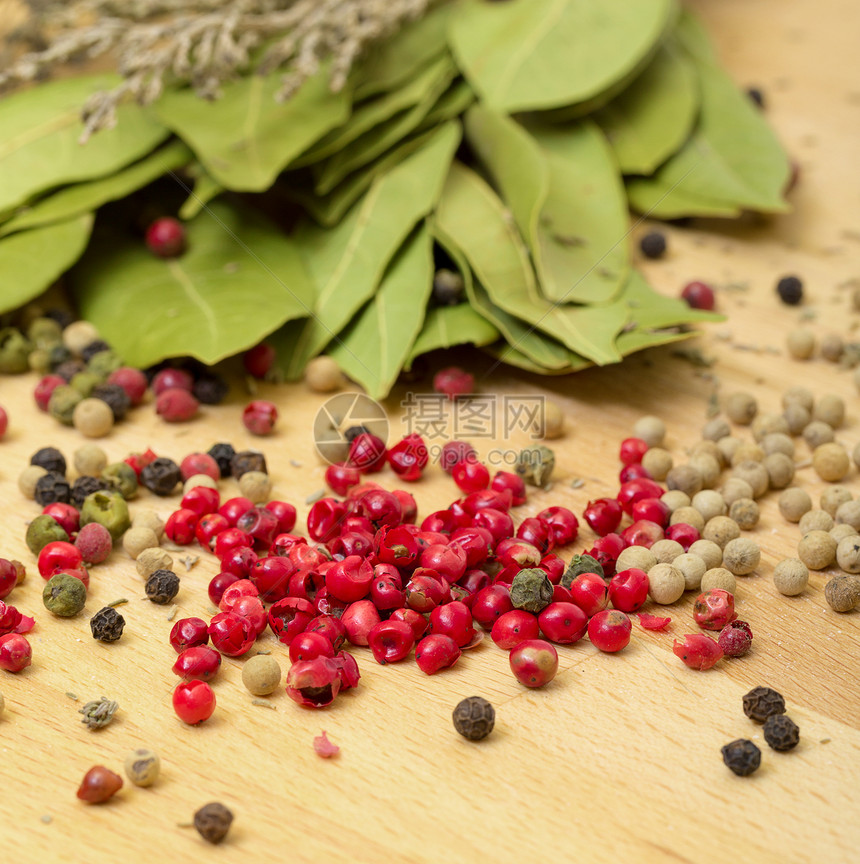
(453, 382)
(643, 532)
(698, 295)
(683, 533)
(606, 551)
(285, 514)
(261, 524)
(471, 476)
(735, 639)
(499, 524)
(390, 641)
(314, 683)
(43, 391)
(193, 701)
(534, 662)
(259, 417)
(180, 526)
(589, 592)
(138, 461)
(325, 519)
(58, 555)
(202, 500)
(176, 406)
(233, 592)
(651, 510)
(199, 463)
(698, 651)
(532, 530)
(219, 584)
(609, 630)
(475, 542)
(199, 662)
(417, 622)
(513, 627)
(379, 506)
(360, 618)
(632, 450)
(239, 561)
(289, 617)
(94, 543)
(172, 379)
(424, 591)
(408, 506)
(454, 452)
(386, 591)
(396, 546)
(563, 623)
(259, 360)
(4, 421)
(408, 458)
(208, 528)
(562, 523)
(231, 634)
(230, 539)
(349, 580)
(634, 490)
(189, 633)
(628, 590)
(233, 508)
(341, 477)
(367, 453)
(165, 237)
(603, 515)
(435, 652)
(310, 644)
(351, 543)
(449, 561)
(553, 565)
(15, 652)
(133, 381)
(455, 620)
(506, 481)
(68, 517)
(516, 553)
(490, 604)
(330, 627)
(635, 471)
(347, 670)
(99, 784)
(714, 609)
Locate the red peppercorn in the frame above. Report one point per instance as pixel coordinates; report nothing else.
(360, 618)
(180, 526)
(193, 701)
(698, 295)
(313, 683)
(208, 528)
(513, 627)
(408, 458)
(65, 515)
(396, 546)
(347, 670)
(234, 508)
(642, 533)
(289, 617)
(553, 566)
(635, 471)
(735, 639)
(475, 542)
(44, 389)
(15, 652)
(424, 591)
(651, 510)
(259, 417)
(235, 591)
(635, 490)
(198, 662)
(537, 533)
(455, 620)
(330, 627)
(367, 453)
(408, 506)
(133, 381)
(189, 633)
(698, 651)
(499, 524)
(564, 623)
(219, 584)
(453, 382)
(349, 580)
(589, 592)
(682, 533)
(449, 561)
(176, 406)
(454, 452)
(603, 515)
(471, 476)
(632, 450)
(284, 513)
(165, 237)
(562, 524)
(310, 644)
(390, 641)
(714, 609)
(534, 662)
(260, 523)
(259, 360)
(609, 630)
(199, 463)
(231, 634)
(490, 604)
(325, 518)
(506, 481)
(606, 551)
(628, 590)
(99, 784)
(436, 652)
(172, 379)
(58, 555)
(386, 591)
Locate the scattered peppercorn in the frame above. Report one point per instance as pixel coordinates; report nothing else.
(109, 509)
(161, 476)
(213, 822)
(114, 397)
(64, 595)
(99, 784)
(323, 375)
(210, 389)
(653, 244)
(261, 675)
(162, 586)
(255, 486)
(761, 702)
(531, 590)
(245, 461)
(535, 465)
(107, 625)
(50, 459)
(842, 593)
(781, 732)
(44, 529)
(51, 488)
(474, 718)
(742, 757)
(142, 766)
(84, 487)
(448, 287)
(790, 290)
(222, 454)
(121, 477)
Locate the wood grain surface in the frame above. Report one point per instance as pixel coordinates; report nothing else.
(618, 758)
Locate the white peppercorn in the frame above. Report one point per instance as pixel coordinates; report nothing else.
(815, 520)
(832, 347)
(747, 451)
(709, 503)
(780, 470)
(721, 530)
(755, 474)
(142, 766)
(727, 447)
(833, 496)
(817, 433)
(323, 375)
(687, 516)
(652, 430)
(793, 503)
(92, 418)
(635, 556)
(687, 478)
(798, 395)
(715, 429)
(709, 552)
(150, 560)
(657, 462)
(857, 377)
(28, 479)
(842, 593)
(149, 519)
(741, 556)
(719, 577)
(745, 512)
(709, 448)
(734, 489)
(777, 442)
(830, 409)
(800, 343)
(78, 335)
(741, 408)
(255, 486)
(551, 425)
(708, 466)
(848, 553)
(196, 480)
(89, 460)
(840, 532)
(666, 551)
(135, 540)
(692, 568)
(665, 584)
(855, 454)
(796, 417)
(261, 674)
(831, 462)
(675, 499)
(767, 424)
(817, 550)
(849, 514)
(790, 577)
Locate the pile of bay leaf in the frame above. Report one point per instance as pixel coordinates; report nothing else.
(511, 139)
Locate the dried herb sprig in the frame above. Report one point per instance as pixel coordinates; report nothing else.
(204, 43)
(99, 712)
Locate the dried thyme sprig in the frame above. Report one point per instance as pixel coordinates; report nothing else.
(98, 713)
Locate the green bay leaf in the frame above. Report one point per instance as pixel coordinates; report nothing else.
(41, 128)
(31, 260)
(452, 103)
(240, 279)
(346, 263)
(654, 116)
(376, 344)
(205, 189)
(506, 353)
(245, 138)
(447, 326)
(88, 196)
(524, 55)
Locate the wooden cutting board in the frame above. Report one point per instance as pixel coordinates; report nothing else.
(618, 758)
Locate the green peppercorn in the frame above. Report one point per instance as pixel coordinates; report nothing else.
(108, 509)
(531, 590)
(44, 332)
(85, 382)
(15, 350)
(64, 595)
(62, 404)
(121, 477)
(39, 360)
(43, 530)
(581, 564)
(535, 465)
(103, 363)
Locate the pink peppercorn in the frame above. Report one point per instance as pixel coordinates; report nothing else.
(698, 295)
(314, 683)
(289, 617)
(94, 543)
(44, 389)
(513, 627)
(66, 515)
(171, 379)
(176, 406)
(259, 360)
(563, 623)
(198, 662)
(609, 630)
(165, 237)
(390, 641)
(193, 701)
(735, 639)
(259, 417)
(436, 652)
(534, 662)
(453, 382)
(714, 609)
(58, 555)
(231, 634)
(15, 652)
(189, 633)
(199, 463)
(359, 619)
(219, 584)
(628, 590)
(698, 651)
(133, 381)
(202, 500)
(310, 644)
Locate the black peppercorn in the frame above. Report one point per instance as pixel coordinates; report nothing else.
(354, 431)
(57, 356)
(62, 316)
(247, 460)
(742, 756)
(84, 486)
(761, 702)
(161, 476)
(51, 488)
(213, 822)
(50, 459)
(162, 587)
(474, 718)
(790, 290)
(94, 347)
(69, 369)
(448, 287)
(756, 95)
(222, 453)
(115, 397)
(653, 244)
(781, 732)
(210, 389)
(107, 625)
